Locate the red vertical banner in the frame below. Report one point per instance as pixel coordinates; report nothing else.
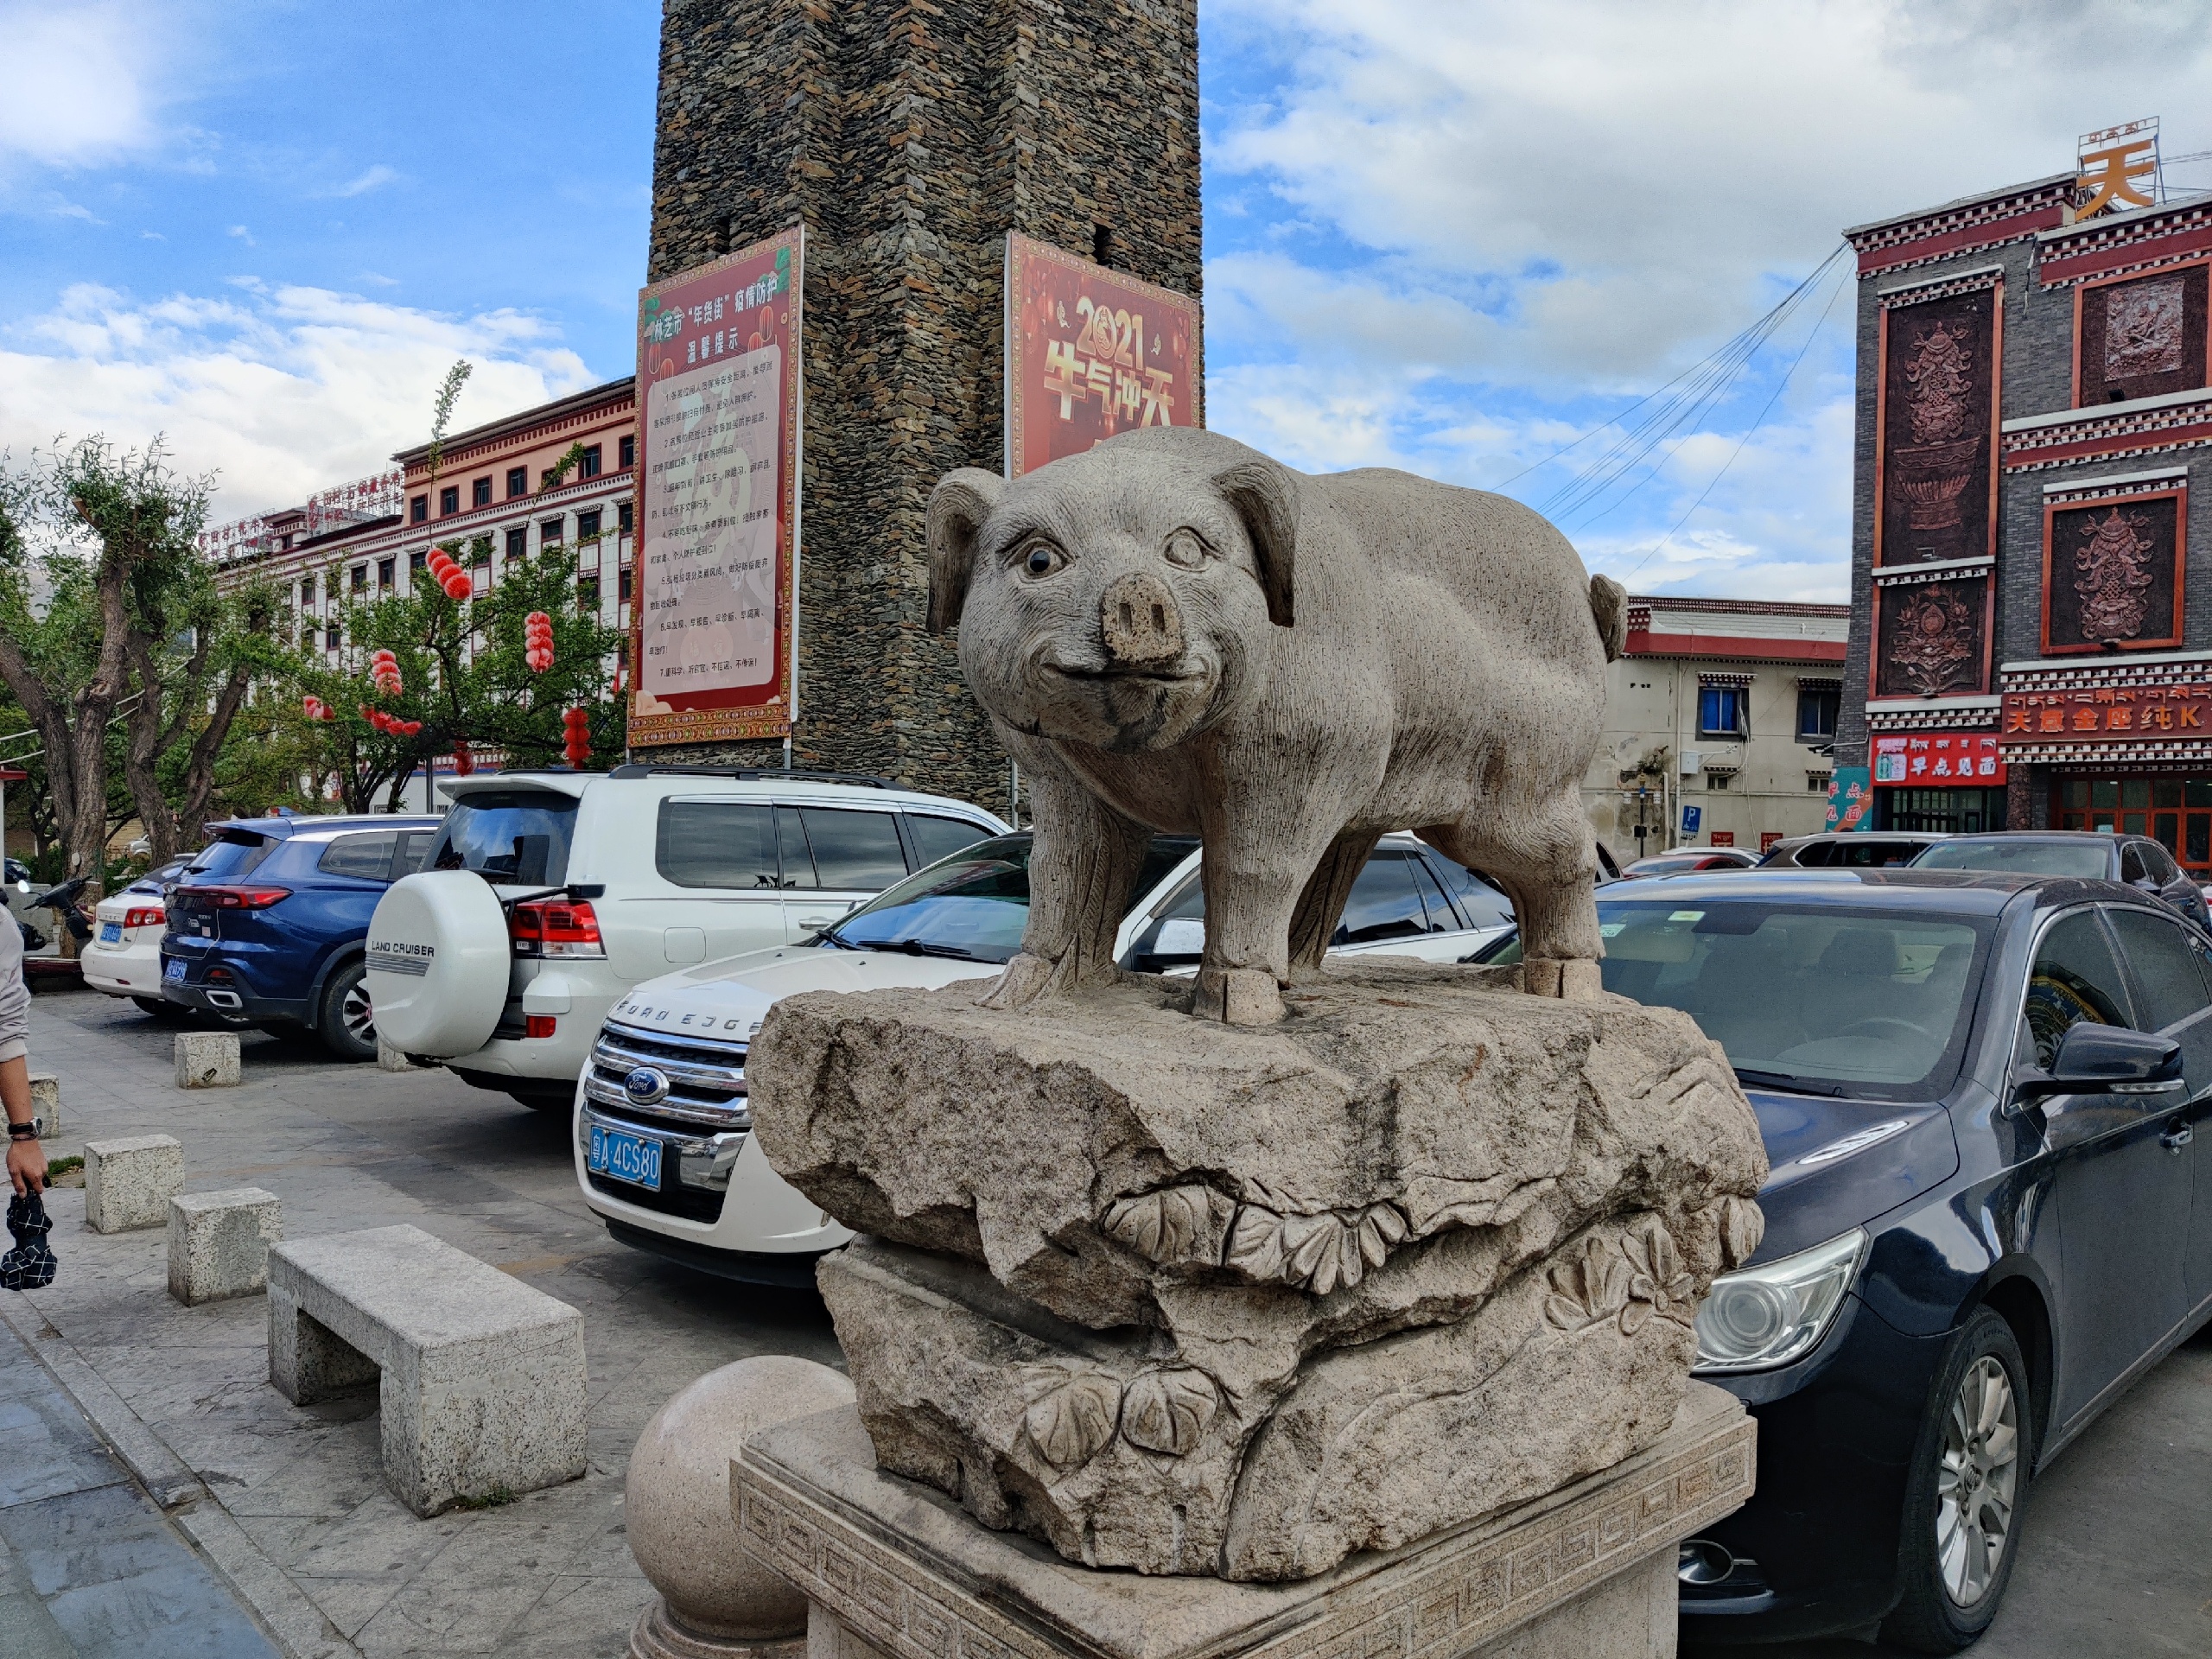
(1091, 352)
(714, 602)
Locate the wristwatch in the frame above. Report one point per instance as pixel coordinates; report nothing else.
(23, 1131)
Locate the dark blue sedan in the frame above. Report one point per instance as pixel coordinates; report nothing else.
(268, 926)
(1985, 1214)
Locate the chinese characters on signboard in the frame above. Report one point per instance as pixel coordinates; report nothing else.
(718, 467)
(2119, 169)
(1850, 795)
(1091, 352)
(2109, 715)
(1935, 759)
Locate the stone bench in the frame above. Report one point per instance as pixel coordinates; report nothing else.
(481, 1378)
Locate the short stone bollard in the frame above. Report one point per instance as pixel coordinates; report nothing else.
(129, 1182)
(392, 1059)
(45, 1104)
(206, 1059)
(219, 1243)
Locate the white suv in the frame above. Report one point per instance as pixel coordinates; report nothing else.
(664, 1149)
(593, 883)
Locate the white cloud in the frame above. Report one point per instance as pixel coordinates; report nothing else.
(282, 391)
(73, 81)
(243, 235)
(373, 178)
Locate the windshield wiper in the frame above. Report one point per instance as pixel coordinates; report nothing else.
(828, 937)
(1789, 1080)
(916, 948)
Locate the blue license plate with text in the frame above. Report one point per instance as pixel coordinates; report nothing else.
(110, 933)
(172, 970)
(632, 1158)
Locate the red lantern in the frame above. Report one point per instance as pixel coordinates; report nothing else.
(463, 763)
(537, 641)
(576, 722)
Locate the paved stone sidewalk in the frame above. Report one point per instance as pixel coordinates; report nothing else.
(288, 1502)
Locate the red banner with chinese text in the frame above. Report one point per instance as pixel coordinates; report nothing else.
(717, 515)
(2126, 713)
(1091, 352)
(1937, 759)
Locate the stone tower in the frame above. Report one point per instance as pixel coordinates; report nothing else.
(909, 139)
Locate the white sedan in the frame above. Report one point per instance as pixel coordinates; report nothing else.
(124, 956)
(664, 1149)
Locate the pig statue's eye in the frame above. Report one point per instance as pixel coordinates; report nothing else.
(1185, 549)
(1041, 559)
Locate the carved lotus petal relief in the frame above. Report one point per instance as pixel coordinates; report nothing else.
(1170, 1225)
(1743, 1224)
(1168, 1411)
(1657, 1283)
(1588, 1286)
(1318, 1252)
(1072, 1420)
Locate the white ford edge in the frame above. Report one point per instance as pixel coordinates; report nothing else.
(663, 1148)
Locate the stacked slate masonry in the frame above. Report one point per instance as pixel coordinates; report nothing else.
(2031, 560)
(908, 139)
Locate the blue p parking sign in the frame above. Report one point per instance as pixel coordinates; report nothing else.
(1691, 817)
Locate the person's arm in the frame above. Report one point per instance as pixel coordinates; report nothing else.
(26, 1157)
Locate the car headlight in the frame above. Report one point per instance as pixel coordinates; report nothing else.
(1767, 1316)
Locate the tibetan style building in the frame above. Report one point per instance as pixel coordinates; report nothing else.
(2034, 402)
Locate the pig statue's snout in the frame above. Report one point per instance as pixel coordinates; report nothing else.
(1140, 621)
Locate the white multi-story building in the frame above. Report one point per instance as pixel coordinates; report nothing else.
(1720, 725)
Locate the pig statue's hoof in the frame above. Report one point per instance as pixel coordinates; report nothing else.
(1573, 980)
(1238, 996)
(1025, 979)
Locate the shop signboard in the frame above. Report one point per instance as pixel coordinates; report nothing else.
(2108, 715)
(718, 503)
(1939, 760)
(1724, 837)
(1091, 352)
(1851, 796)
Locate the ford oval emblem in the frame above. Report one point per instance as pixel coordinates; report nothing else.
(645, 1086)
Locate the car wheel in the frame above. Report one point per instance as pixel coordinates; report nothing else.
(1963, 1503)
(346, 1024)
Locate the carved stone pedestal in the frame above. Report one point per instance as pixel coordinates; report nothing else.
(894, 1570)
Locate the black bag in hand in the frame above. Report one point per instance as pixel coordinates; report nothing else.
(30, 1265)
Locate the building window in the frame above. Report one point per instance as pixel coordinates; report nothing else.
(588, 524)
(448, 500)
(330, 638)
(518, 542)
(588, 467)
(518, 481)
(1816, 712)
(480, 492)
(418, 510)
(626, 452)
(307, 591)
(1818, 781)
(360, 574)
(625, 519)
(416, 564)
(1720, 710)
(623, 588)
(548, 532)
(1719, 780)
(588, 593)
(385, 574)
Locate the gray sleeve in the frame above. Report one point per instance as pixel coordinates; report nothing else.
(15, 996)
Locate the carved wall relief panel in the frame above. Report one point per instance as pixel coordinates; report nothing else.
(1931, 638)
(2142, 337)
(1937, 480)
(2112, 574)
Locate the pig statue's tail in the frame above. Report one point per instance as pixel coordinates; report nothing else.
(1609, 605)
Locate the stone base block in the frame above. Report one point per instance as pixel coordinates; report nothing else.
(658, 1634)
(891, 1567)
(45, 1104)
(481, 1378)
(129, 1182)
(219, 1243)
(207, 1059)
(392, 1059)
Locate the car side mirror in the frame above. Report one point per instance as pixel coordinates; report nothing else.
(2148, 884)
(2094, 1059)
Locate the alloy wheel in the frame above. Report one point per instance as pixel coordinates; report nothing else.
(355, 1013)
(1977, 1481)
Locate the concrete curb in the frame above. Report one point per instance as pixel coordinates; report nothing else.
(294, 1622)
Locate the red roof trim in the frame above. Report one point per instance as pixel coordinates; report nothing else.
(1642, 642)
(2120, 256)
(2012, 228)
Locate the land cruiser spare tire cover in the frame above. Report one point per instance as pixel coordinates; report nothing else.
(438, 961)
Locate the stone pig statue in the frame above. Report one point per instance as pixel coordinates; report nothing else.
(1174, 632)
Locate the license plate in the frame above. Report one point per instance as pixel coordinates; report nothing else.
(110, 933)
(632, 1158)
(172, 970)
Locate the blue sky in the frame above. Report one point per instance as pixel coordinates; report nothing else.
(1449, 235)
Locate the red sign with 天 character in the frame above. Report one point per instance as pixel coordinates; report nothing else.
(1091, 352)
(717, 511)
(1938, 759)
(2127, 714)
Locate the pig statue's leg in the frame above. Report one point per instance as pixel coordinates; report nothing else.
(1547, 861)
(1083, 862)
(1321, 906)
(1258, 861)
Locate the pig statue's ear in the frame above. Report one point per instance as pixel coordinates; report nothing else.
(962, 499)
(1265, 497)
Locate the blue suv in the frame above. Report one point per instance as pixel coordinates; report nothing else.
(268, 925)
